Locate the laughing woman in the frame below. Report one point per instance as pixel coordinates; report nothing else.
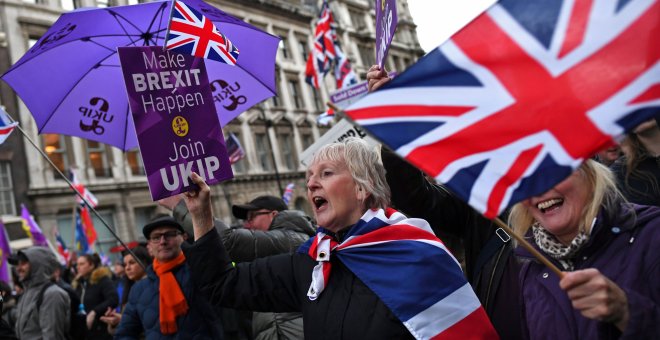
(369, 273)
(610, 253)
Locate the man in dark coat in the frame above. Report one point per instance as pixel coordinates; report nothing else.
(270, 229)
(166, 304)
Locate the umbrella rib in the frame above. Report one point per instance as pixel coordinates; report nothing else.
(153, 20)
(119, 22)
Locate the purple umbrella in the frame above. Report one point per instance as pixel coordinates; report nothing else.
(72, 83)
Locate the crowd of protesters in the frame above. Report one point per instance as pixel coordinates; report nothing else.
(302, 276)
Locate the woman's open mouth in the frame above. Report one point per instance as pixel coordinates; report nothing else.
(550, 205)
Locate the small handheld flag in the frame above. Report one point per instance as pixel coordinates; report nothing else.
(288, 193)
(234, 149)
(6, 125)
(190, 32)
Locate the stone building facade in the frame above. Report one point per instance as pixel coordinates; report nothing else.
(287, 122)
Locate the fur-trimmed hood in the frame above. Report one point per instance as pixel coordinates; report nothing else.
(97, 275)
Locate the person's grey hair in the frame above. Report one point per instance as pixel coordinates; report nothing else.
(605, 196)
(364, 166)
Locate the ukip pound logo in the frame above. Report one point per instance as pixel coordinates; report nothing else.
(55, 37)
(223, 93)
(180, 126)
(98, 112)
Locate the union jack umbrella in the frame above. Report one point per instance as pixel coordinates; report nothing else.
(192, 33)
(516, 100)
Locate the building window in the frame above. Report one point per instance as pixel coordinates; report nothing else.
(367, 54)
(284, 47)
(32, 41)
(134, 160)
(97, 154)
(263, 151)
(142, 216)
(7, 206)
(103, 3)
(304, 50)
(285, 138)
(395, 63)
(239, 166)
(277, 101)
(69, 5)
(56, 149)
(294, 90)
(318, 102)
(357, 19)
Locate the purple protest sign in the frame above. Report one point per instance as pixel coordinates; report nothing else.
(386, 21)
(175, 119)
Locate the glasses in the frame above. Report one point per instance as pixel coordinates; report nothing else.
(168, 236)
(252, 215)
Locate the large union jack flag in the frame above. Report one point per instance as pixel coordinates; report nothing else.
(323, 52)
(517, 99)
(192, 33)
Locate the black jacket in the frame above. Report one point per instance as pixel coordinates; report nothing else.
(288, 230)
(491, 268)
(347, 308)
(100, 293)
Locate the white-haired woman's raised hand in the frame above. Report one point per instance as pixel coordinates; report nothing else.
(376, 77)
(597, 297)
(199, 206)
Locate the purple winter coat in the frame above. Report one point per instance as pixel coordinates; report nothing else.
(626, 251)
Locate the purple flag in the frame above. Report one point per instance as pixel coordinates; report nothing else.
(175, 119)
(32, 228)
(386, 21)
(5, 251)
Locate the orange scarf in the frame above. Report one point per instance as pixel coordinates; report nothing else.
(171, 299)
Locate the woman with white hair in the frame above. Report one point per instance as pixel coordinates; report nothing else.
(609, 251)
(369, 273)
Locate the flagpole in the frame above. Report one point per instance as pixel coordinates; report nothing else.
(169, 23)
(496, 220)
(78, 193)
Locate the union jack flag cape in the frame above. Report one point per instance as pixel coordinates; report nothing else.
(414, 275)
(516, 100)
(190, 32)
